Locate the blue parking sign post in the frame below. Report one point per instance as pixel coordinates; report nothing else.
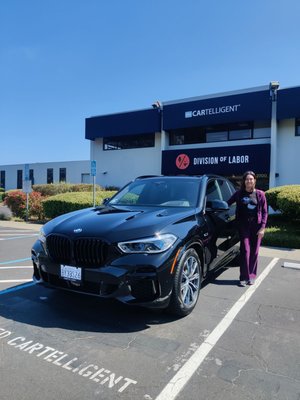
(27, 188)
(93, 174)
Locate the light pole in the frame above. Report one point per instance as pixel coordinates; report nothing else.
(274, 85)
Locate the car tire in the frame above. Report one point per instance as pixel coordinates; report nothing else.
(186, 285)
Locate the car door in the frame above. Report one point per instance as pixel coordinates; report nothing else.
(220, 222)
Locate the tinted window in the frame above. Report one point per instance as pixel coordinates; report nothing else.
(62, 174)
(225, 189)
(19, 179)
(212, 192)
(50, 175)
(159, 192)
(129, 142)
(297, 127)
(2, 182)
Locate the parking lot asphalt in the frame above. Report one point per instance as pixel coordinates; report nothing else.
(238, 343)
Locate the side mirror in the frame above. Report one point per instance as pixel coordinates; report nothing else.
(105, 201)
(217, 205)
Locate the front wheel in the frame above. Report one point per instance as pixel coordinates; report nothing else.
(187, 283)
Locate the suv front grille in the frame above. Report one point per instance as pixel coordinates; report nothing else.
(86, 252)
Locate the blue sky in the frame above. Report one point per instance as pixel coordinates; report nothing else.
(62, 61)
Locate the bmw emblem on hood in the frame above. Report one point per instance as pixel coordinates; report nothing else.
(78, 230)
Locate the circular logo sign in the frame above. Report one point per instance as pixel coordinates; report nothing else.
(182, 161)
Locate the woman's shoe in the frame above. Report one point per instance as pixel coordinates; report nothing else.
(251, 282)
(243, 283)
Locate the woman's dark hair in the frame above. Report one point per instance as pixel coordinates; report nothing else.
(245, 176)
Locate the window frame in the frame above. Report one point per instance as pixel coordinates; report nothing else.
(297, 127)
(129, 142)
(50, 176)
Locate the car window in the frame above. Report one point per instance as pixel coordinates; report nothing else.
(212, 191)
(162, 192)
(129, 195)
(225, 189)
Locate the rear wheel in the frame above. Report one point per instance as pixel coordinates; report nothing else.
(187, 283)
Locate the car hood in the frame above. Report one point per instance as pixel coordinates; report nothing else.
(120, 223)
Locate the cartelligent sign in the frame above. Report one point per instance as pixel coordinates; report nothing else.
(212, 111)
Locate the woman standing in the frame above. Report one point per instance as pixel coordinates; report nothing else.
(251, 217)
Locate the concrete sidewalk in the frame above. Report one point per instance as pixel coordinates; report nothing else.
(283, 253)
(20, 225)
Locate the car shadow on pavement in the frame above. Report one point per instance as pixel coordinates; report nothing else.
(213, 278)
(43, 307)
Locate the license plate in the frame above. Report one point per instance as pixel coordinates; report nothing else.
(70, 273)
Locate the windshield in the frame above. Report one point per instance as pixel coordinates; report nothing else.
(165, 192)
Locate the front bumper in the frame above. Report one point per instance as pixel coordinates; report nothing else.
(134, 279)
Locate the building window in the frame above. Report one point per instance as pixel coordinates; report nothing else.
(62, 174)
(31, 176)
(19, 179)
(49, 175)
(129, 142)
(2, 179)
(297, 130)
(221, 136)
(216, 133)
(261, 129)
(186, 136)
(85, 178)
(240, 134)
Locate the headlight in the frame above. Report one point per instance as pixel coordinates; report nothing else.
(155, 244)
(42, 236)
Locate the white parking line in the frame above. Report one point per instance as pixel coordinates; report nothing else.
(185, 373)
(14, 289)
(15, 280)
(19, 237)
(19, 267)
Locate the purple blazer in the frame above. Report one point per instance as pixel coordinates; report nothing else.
(262, 207)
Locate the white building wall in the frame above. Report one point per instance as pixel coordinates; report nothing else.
(75, 170)
(288, 150)
(118, 167)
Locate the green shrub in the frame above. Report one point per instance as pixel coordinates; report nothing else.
(63, 203)
(112, 188)
(272, 195)
(288, 202)
(57, 188)
(1, 194)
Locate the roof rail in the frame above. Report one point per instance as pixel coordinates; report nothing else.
(147, 176)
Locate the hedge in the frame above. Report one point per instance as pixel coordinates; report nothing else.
(57, 188)
(63, 203)
(285, 199)
(1, 194)
(288, 202)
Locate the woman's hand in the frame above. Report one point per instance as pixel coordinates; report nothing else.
(261, 232)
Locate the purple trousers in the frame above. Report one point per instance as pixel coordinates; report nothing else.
(250, 243)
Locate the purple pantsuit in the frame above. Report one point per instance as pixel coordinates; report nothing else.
(249, 248)
(249, 223)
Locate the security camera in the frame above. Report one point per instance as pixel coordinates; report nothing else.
(274, 85)
(157, 104)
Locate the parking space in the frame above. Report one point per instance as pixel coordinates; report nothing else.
(62, 345)
(15, 262)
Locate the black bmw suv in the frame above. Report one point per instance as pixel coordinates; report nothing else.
(151, 244)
